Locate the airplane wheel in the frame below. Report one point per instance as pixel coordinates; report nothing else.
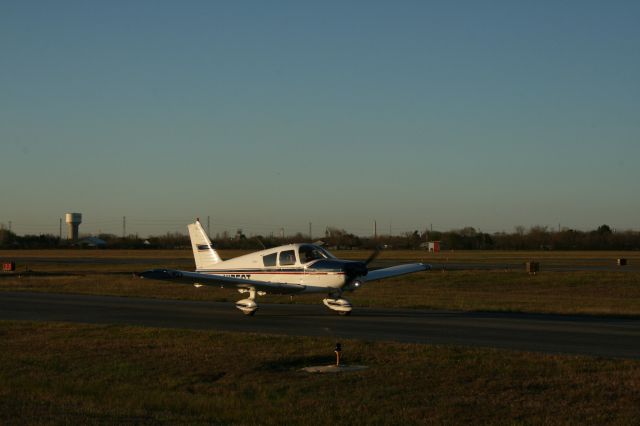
(344, 314)
(250, 314)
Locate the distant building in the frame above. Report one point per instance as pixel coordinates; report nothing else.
(92, 242)
(432, 246)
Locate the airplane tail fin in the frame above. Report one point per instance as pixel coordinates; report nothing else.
(203, 252)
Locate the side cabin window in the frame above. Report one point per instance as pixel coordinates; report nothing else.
(287, 257)
(270, 259)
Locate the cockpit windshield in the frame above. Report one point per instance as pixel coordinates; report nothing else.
(309, 253)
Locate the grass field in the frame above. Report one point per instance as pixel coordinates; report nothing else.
(86, 374)
(57, 373)
(607, 292)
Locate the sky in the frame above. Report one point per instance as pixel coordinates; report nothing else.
(269, 115)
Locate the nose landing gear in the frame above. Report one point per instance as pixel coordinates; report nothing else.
(336, 303)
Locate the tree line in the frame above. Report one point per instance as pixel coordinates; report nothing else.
(468, 238)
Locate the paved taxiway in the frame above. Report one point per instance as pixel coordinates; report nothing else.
(587, 335)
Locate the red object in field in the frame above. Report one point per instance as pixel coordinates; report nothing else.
(434, 246)
(9, 266)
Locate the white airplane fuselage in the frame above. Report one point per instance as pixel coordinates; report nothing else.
(283, 265)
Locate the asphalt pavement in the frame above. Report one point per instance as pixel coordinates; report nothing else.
(566, 334)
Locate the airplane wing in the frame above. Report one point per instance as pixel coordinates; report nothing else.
(185, 277)
(394, 271)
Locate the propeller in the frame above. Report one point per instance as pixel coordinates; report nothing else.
(356, 270)
(372, 256)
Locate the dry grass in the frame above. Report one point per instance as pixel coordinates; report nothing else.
(473, 256)
(87, 374)
(610, 293)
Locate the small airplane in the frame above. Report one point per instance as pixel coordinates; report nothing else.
(289, 269)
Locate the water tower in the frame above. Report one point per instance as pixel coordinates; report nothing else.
(73, 223)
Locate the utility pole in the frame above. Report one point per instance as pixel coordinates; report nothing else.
(282, 233)
(60, 219)
(375, 230)
(9, 226)
(124, 226)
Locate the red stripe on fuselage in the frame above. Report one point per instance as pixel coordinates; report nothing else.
(214, 272)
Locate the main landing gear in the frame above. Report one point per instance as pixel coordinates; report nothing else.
(249, 306)
(335, 302)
